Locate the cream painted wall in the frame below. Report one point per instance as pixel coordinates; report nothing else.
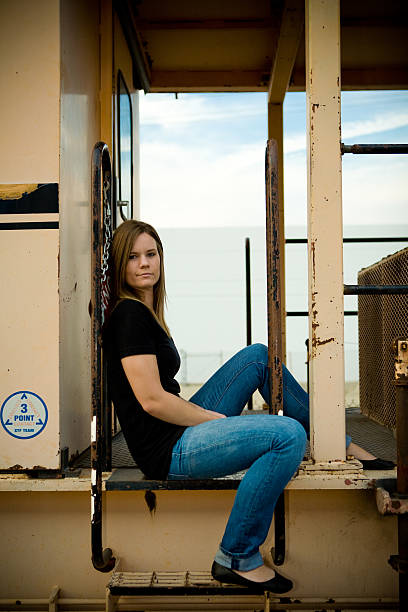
(337, 543)
(80, 130)
(29, 153)
(29, 339)
(29, 91)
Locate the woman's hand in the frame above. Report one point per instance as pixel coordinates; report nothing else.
(143, 376)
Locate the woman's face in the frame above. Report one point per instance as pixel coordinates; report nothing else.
(143, 267)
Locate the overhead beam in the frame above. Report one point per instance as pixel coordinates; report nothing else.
(257, 80)
(208, 80)
(208, 24)
(292, 23)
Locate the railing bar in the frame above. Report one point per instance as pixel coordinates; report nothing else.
(304, 313)
(370, 149)
(357, 240)
(375, 289)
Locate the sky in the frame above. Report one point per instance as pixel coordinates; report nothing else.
(202, 186)
(202, 159)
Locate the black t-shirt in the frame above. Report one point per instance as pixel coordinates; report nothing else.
(133, 330)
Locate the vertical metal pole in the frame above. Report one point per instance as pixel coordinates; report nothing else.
(325, 231)
(274, 320)
(273, 277)
(275, 131)
(248, 301)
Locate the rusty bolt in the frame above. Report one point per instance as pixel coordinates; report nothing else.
(404, 346)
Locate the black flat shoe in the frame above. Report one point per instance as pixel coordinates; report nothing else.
(279, 584)
(377, 464)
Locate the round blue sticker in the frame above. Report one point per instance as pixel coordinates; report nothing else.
(24, 414)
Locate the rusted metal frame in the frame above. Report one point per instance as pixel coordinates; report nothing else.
(382, 149)
(274, 320)
(400, 562)
(273, 278)
(248, 301)
(102, 559)
(375, 289)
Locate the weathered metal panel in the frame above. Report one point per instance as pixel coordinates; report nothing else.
(381, 319)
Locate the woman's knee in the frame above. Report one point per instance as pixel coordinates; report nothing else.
(294, 435)
(258, 352)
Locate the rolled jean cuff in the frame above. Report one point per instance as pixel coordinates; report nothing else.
(243, 565)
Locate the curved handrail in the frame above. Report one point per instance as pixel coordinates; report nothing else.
(102, 559)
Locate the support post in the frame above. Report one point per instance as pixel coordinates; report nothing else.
(248, 302)
(325, 230)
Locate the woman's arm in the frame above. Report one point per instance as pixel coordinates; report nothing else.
(143, 375)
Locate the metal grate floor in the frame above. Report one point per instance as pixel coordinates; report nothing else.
(365, 432)
(165, 583)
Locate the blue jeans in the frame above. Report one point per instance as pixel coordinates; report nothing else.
(271, 447)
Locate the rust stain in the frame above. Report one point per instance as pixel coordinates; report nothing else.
(313, 251)
(316, 341)
(320, 342)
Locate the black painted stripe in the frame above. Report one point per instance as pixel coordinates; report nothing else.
(44, 199)
(27, 225)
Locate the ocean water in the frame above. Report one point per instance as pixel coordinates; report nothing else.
(205, 279)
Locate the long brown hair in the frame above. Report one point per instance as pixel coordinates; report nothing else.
(123, 240)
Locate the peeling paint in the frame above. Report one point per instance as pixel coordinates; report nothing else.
(319, 342)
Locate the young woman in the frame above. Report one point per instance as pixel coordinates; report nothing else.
(205, 437)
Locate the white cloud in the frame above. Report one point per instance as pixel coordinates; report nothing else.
(379, 123)
(190, 186)
(166, 111)
(187, 182)
(184, 186)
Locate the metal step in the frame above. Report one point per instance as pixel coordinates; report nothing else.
(172, 583)
(132, 479)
